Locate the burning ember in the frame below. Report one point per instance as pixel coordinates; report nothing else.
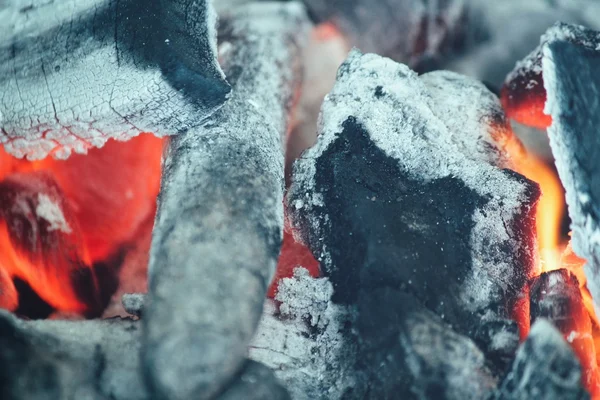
(61, 218)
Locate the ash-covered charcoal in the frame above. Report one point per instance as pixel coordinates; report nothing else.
(42, 244)
(51, 359)
(556, 296)
(219, 225)
(312, 345)
(74, 74)
(134, 303)
(572, 81)
(409, 350)
(256, 382)
(523, 93)
(392, 196)
(412, 31)
(307, 340)
(544, 368)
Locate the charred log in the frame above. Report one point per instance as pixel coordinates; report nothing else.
(544, 368)
(74, 74)
(399, 193)
(219, 225)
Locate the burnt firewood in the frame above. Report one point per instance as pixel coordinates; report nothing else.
(415, 32)
(220, 216)
(572, 81)
(74, 74)
(544, 368)
(524, 91)
(95, 359)
(312, 344)
(255, 382)
(399, 192)
(556, 296)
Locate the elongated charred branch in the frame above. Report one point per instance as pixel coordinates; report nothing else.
(75, 73)
(220, 218)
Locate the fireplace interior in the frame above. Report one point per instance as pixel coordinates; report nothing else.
(310, 199)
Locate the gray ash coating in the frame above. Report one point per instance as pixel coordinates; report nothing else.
(545, 367)
(219, 224)
(571, 65)
(74, 74)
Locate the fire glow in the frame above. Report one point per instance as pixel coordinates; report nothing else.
(59, 218)
(558, 266)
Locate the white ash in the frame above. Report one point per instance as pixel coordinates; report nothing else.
(76, 73)
(405, 114)
(51, 212)
(307, 344)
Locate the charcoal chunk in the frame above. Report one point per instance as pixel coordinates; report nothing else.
(256, 382)
(219, 224)
(524, 92)
(544, 368)
(75, 74)
(396, 195)
(52, 359)
(556, 296)
(407, 349)
(572, 81)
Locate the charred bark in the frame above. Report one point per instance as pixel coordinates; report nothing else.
(75, 73)
(220, 217)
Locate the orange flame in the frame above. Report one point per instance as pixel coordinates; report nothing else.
(554, 254)
(102, 198)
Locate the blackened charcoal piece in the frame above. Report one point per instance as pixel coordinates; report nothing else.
(411, 31)
(219, 225)
(406, 349)
(544, 368)
(394, 194)
(51, 359)
(524, 92)
(556, 296)
(313, 345)
(571, 71)
(256, 382)
(75, 73)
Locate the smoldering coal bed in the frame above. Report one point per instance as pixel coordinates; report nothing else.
(379, 222)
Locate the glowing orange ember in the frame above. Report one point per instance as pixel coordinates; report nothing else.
(293, 254)
(523, 100)
(59, 217)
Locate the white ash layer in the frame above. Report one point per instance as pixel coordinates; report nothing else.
(74, 74)
(219, 224)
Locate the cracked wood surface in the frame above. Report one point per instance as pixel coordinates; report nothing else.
(74, 73)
